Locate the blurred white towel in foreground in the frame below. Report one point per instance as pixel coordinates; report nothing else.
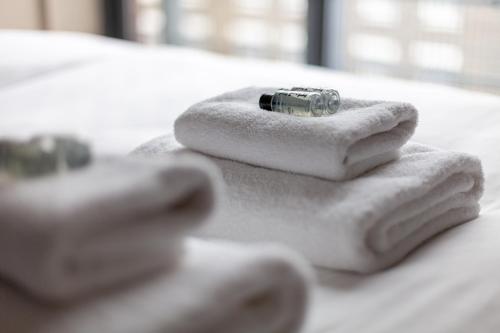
(360, 136)
(364, 224)
(62, 236)
(218, 287)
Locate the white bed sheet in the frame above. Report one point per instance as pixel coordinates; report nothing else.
(120, 95)
(25, 55)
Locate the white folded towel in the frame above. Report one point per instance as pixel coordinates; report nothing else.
(66, 235)
(360, 136)
(218, 287)
(364, 224)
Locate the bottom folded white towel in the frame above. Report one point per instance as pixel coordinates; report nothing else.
(218, 287)
(364, 224)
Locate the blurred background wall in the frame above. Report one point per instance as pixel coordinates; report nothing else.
(454, 42)
(85, 16)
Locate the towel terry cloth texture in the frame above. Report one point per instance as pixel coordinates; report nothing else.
(360, 136)
(252, 289)
(364, 224)
(67, 235)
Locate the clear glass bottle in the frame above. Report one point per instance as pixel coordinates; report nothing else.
(331, 97)
(297, 103)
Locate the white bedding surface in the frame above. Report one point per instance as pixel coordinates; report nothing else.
(121, 95)
(27, 55)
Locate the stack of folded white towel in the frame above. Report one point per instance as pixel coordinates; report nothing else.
(344, 190)
(104, 249)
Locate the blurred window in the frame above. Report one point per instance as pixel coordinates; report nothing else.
(455, 42)
(450, 41)
(273, 29)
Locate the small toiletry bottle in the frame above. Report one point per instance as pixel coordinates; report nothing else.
(331, 97)
(297, 103)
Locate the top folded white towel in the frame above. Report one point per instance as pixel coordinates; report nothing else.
(62, 236)
(360, 136)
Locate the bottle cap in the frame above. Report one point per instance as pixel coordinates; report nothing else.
(265, 102)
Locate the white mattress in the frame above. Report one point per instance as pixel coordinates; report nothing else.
(119, 95)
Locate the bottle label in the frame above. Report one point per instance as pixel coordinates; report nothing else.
(298, 103)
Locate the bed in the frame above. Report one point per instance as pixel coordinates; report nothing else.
(119, 95)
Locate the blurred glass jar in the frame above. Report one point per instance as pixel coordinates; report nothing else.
(42, 155)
